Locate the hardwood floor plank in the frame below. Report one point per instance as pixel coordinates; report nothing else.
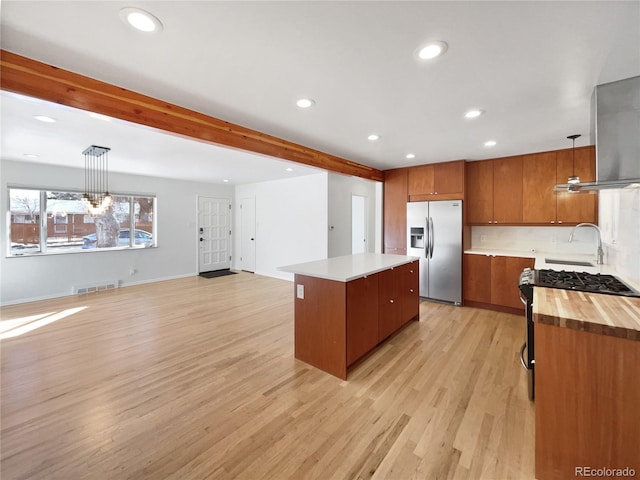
(195, 378)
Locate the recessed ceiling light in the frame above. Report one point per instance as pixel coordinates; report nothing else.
(44, 118)
(225, 180)
(373, 137)
(140, 20)
(31, 155)
(99, 116)
(410, 156)
(305, 102)
(289, 169)
(432, 50)
(474, 113)
(490, 143)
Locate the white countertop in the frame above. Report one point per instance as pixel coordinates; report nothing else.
(348, 267)
(542, 263)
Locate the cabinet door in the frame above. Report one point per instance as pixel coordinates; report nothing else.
(362, 317)
(505, 276)
(395, 211)
(576, 208)
(390, 303)
(539, 178)
(421, 180)
(410, 291)
(479, 194)
(448, 178)
(507, 190)
(475, 278)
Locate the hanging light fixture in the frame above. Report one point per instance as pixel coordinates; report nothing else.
(96, 197)
(573, 179)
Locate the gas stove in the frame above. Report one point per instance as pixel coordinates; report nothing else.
(579, 281)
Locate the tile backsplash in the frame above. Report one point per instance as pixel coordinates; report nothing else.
(620, 223)
(535, 239)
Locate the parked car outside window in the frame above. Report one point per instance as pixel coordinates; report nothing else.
(141, 238)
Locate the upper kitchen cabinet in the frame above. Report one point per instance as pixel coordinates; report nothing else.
(538, 180)
(395, 211)
(439, 181)
(570, 207)
(494, 191)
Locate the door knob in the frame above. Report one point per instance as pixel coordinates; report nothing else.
(201, 239)
(252, 239)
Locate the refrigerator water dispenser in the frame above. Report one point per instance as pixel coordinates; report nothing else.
(417, 237)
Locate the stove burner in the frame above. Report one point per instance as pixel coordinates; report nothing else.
(582, 281)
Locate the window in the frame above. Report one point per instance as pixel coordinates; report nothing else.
(53, 221)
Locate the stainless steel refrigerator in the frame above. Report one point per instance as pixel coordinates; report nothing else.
(435, 235)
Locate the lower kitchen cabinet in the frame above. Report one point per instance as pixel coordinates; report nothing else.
(492, 281)
(398, 298)
(362, 317)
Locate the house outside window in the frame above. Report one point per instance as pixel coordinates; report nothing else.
(50, 221)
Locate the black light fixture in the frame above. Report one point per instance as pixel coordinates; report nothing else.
(96, 197)
(573, 179)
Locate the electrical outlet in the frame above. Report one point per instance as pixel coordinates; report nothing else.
(300, 291)
(483, 238)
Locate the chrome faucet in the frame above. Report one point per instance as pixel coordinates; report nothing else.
(600, 252)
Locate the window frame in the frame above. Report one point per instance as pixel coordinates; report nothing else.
(45, 250)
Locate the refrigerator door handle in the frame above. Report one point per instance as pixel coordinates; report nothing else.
(431, 235)
(427, 236)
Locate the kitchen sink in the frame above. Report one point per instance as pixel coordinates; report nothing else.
(569, 262)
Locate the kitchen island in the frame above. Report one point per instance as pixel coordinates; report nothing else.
(345, 306)
(587, 388)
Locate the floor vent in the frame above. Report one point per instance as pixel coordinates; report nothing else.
(95, 287)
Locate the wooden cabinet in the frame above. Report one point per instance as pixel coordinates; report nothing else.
(507, 190)
(438, 181)
(492, 281)
(587, 398)
(362, 317)
(494, 191)
(520, 190)
(576, 208)
(505, 277)
(539, 178)
(479, 194)
(476, 273)
(398, 298)
(337, 323)
(395, 211)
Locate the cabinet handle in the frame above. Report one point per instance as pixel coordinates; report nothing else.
(410, 271)
(490, 221)
(495, 221)
(435, 193)
(411, 290)
(390, 301)
(553, 221)
(559, 221)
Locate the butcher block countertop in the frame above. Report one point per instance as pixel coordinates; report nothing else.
(613, 315)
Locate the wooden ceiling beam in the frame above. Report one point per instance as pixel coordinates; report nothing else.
(29, 77)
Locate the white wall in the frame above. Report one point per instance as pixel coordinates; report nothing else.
(341, 188)
(619, 218)
(291, 222)
(46, 276)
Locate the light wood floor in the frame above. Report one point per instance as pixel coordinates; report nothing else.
(195, 379)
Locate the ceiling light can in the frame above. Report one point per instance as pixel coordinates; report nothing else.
(305, 102)
(490, 143)
(473, 113)
(44, 118)
(140, 20)
(432, 50)
(410, 156)
(373, 137)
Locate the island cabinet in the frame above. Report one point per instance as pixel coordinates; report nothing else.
(491, 281)
(395, 211)
(346, 306)
(587, 366)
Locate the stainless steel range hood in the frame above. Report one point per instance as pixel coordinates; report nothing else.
(617, 138)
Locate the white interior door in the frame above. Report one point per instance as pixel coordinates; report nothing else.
(214, 234)
(248, 234)
(358, 224)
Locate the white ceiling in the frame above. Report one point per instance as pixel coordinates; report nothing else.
(532, 66)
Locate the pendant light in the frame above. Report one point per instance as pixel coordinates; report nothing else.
(96, 197)
(573, 179)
